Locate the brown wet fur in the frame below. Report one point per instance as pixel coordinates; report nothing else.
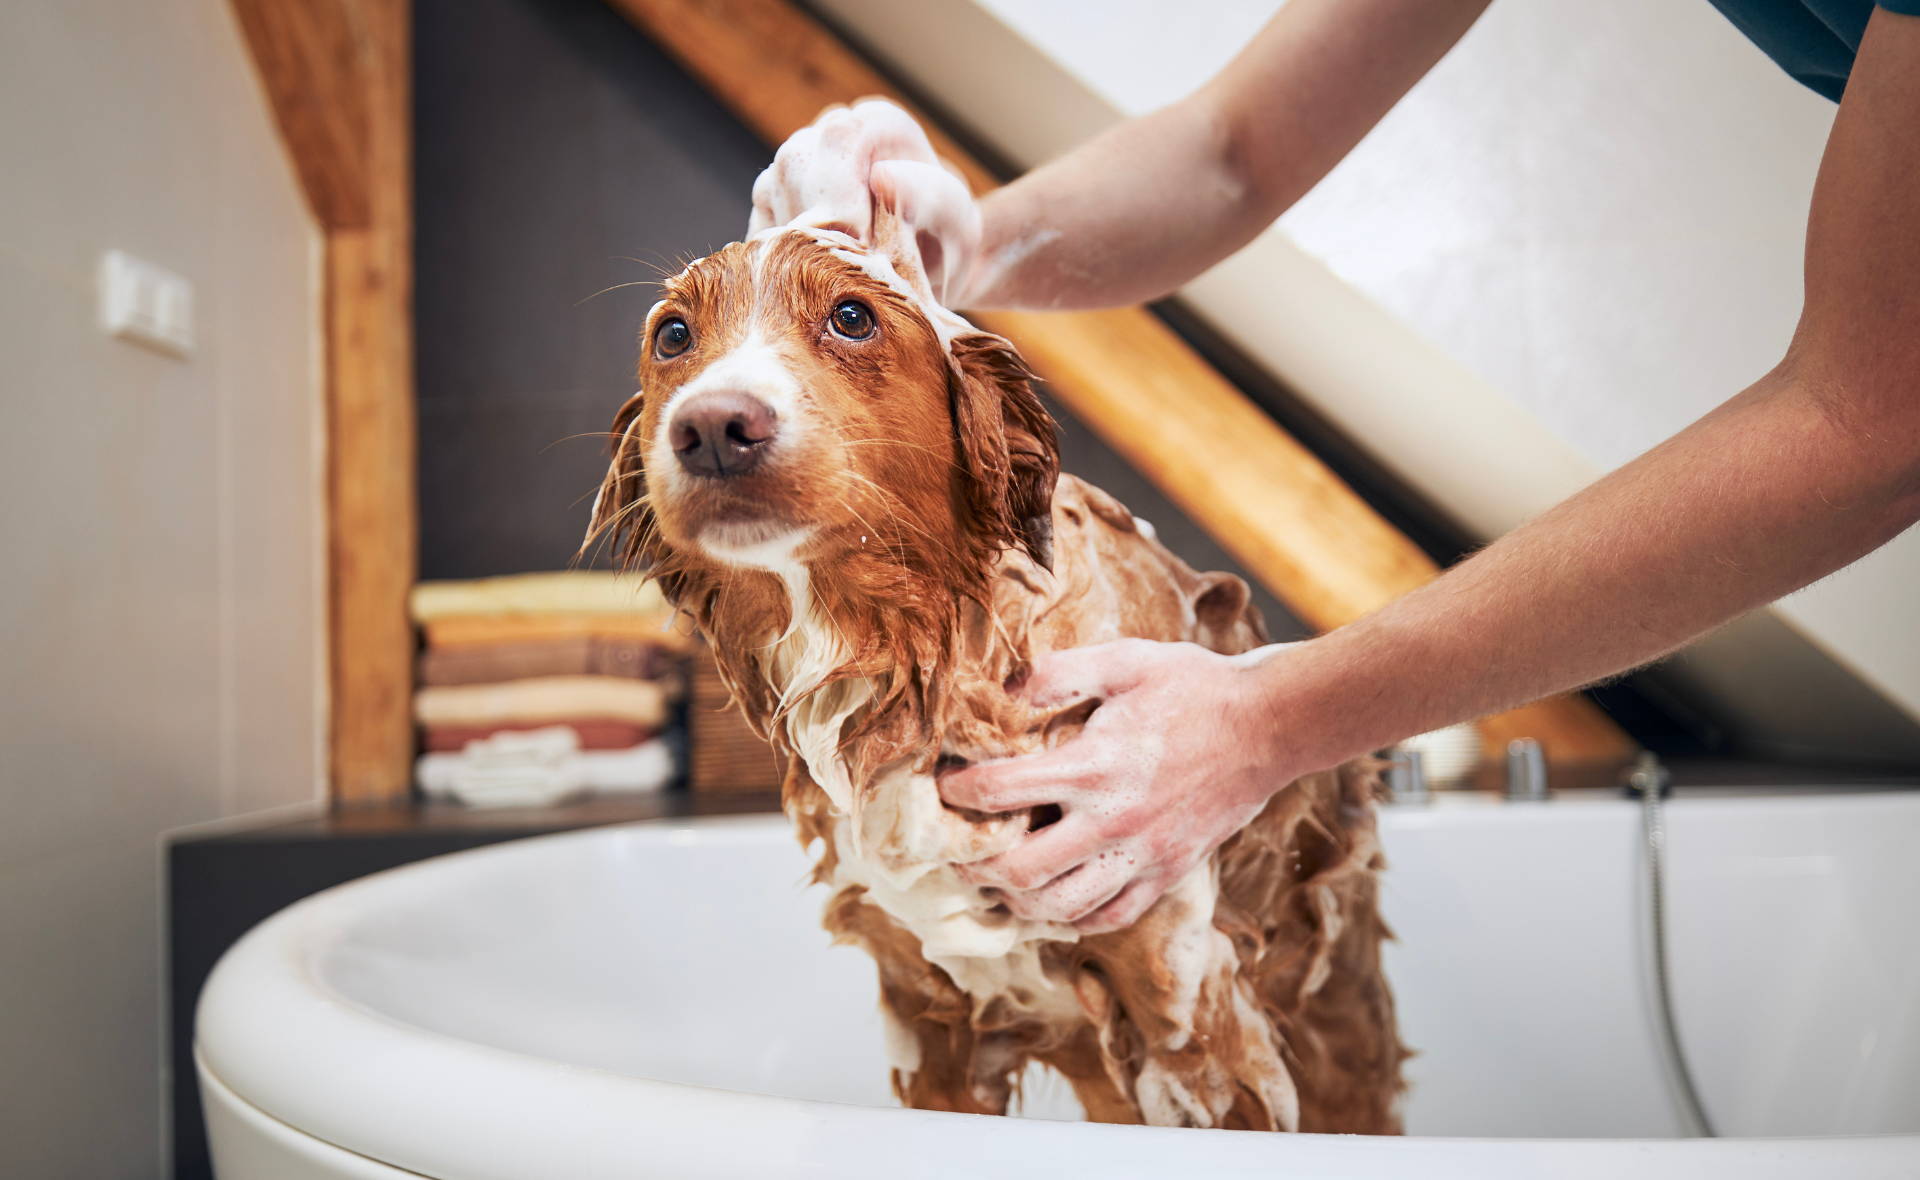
(976, 557)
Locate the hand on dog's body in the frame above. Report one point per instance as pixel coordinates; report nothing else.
(1179, 754)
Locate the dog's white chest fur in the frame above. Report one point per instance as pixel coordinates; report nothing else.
(894, 838)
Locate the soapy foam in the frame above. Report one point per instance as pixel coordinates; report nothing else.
(1012, 256)
(894, 839)
(903, 1048)
(802, 658)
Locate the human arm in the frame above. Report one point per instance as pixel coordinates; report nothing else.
(1136, 211)
(1140, 209)
(1813, 466)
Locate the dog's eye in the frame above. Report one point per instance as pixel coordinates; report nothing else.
(672, 337)
(852, 319)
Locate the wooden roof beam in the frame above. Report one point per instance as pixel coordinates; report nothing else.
(315, 60)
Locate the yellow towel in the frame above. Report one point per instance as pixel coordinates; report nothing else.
(453, 631)
(569, 592)
(544, 698)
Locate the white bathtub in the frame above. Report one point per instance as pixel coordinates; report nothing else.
(658, 1000)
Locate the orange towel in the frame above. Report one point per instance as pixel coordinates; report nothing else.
(593, 735)
(575, 655)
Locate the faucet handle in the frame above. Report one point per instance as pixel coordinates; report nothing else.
(1648, 774)
(1407, 776)
(1526, 770)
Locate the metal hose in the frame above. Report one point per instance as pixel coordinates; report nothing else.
(1650, 779)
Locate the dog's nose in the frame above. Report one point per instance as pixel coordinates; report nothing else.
(722, 434)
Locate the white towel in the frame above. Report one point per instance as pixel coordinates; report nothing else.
(538, 767)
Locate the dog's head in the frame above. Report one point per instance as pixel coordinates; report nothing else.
(801, 403)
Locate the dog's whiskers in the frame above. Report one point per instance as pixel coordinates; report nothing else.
(891, 503)
(894, 442)
(617, 287)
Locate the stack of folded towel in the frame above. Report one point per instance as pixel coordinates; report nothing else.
(535, 687)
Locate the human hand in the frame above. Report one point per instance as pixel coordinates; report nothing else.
(833, 172)
(1179, 755)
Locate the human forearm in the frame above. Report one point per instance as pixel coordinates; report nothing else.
(1139, 210)
(1771, 491)
(1093, 228)
(1812, 467)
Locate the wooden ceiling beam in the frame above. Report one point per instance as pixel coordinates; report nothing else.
(337, 74)
(315, 58)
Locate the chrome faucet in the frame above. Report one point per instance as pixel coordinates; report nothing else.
(1526, 770)
(1407, 777)
(1648, 774)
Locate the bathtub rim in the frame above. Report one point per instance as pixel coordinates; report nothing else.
(265, 1146)
(268, 1027)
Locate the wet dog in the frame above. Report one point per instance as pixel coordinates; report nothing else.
(856, 496)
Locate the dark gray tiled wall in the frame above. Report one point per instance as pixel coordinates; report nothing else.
(553, 145)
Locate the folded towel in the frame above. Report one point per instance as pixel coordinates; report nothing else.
(592, 735)
(570, 655)
(544, 698)
(539, 767)
(573, 591)
(451, 631)
(645, 767)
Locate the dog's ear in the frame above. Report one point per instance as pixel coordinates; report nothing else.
(1223, 611)
(620, 510)
(1009, 449)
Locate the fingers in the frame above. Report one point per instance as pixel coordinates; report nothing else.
(1076, 893)
(834, 172)
(1077, 674)
(763, 198)
(1013, 783)
(942, 212)
(817, 178)
(1038, 859)
(820, 177)
(1123, 909)
(891, 133)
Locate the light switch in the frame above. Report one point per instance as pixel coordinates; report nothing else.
(146, 304)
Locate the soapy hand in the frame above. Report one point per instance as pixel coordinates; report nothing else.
(1179, 755)
(832, 173)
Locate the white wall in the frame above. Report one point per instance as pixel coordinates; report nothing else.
(1579, 233)
(162, 605)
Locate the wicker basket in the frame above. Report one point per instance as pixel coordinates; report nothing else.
(724, 755)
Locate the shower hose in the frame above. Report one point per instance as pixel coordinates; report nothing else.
(1649, 779)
